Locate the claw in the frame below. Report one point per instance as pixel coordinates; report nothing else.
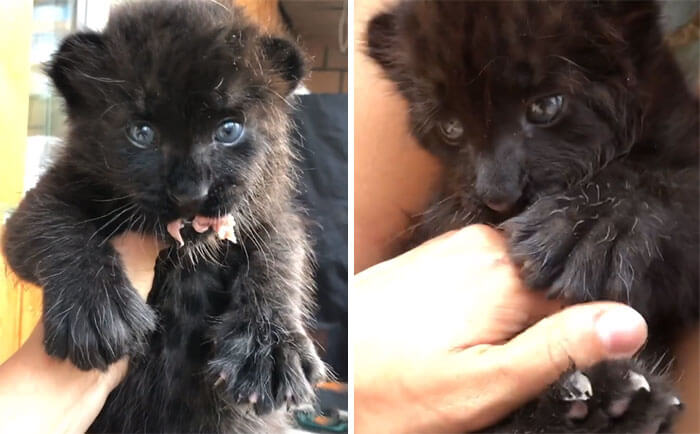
(618, 407)
(577, 387)
(220, 380)
(638, 381)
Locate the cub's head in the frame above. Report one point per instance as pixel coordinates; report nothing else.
(181, 107)
(519, 97)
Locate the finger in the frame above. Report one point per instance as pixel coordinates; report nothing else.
(512, 311)
(580, 335)
(506, 306)
(468, 264)
(138, 255)
(472, 237)
(484, 240)
(141, 247)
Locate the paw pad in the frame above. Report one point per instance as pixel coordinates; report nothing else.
(577, 411)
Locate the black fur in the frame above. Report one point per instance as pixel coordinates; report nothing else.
(221, 344)
(598, 202)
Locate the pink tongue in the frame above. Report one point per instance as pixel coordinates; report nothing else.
(201, 224)
(222, 226)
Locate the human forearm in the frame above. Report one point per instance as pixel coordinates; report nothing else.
(39, 393)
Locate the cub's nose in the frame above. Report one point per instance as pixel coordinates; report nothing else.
(501, 207)
(501, 201)
(189, 199)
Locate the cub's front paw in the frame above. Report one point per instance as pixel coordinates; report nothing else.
(612, 397)
(267, 371)
(95, 323)
(584, 248)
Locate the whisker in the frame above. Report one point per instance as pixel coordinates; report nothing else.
(111, 220)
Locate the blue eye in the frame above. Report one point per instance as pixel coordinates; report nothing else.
(229, 132)
(140, 134)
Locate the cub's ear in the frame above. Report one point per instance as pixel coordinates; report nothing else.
(630, 10)
(637, 20)
(635, 24)
(287, 62)
(385, 46)
(382, 34)
(76, 68)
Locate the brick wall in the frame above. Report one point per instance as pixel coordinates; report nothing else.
(329, 67)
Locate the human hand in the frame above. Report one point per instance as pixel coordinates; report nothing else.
(39, 393)
(138, 254)
(441, 337)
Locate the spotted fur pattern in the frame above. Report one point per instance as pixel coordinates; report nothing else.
(599, 204)
(220, 345)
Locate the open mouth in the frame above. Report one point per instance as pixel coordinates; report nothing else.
(223, 227)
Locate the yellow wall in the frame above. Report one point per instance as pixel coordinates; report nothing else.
(19, 305)
(15, 22)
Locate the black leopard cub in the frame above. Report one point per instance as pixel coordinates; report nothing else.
(568, 125)
(179, 121)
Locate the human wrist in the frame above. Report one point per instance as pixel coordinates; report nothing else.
(67, 398)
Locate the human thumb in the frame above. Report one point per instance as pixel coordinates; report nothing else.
(580, 335)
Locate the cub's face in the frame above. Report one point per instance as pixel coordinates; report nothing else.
(517, 98)
(179, 106)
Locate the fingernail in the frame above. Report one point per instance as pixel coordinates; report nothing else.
(621, 330)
